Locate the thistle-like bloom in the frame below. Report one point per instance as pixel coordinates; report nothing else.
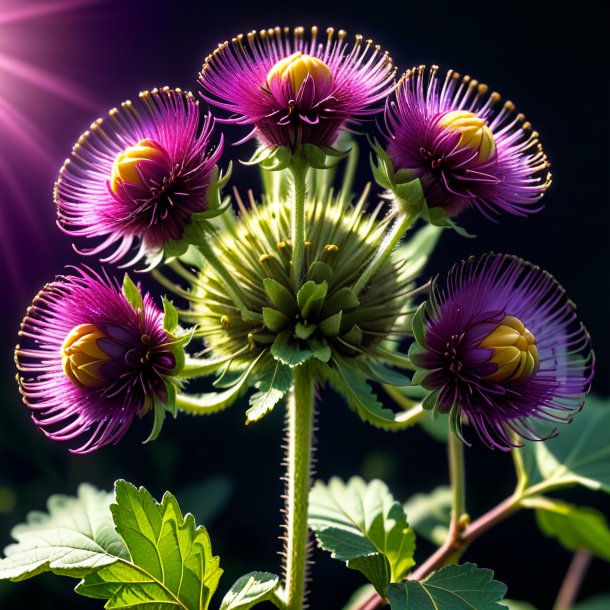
(501, 345)
(295, 90)
(91, 361)
(467, 149)
(139, 175)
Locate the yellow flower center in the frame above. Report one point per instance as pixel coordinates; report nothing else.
(515, 351)
(474, 132)
(125, 166)
(297, 67)
(82, 358)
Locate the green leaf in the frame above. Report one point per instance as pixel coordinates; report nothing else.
(419, 331)
(598, 602)
(304, 331)
(342, 299)
(272, 386)
(75, 537)
(359, 395)
(332, 325)
(579, 455)
(514, 604)
(132, 294)
(320, 349)
(310, 298)
(170, 316)
(212, 402)
(410, 194)
(363, 525)
(274, 320)
(320, 272)
(280, 296)
(289, 350)
(249, 590)
(456, 587)
(429, 514)
(577, 528)
(171, 563)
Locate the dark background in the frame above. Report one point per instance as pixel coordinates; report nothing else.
(551, 59)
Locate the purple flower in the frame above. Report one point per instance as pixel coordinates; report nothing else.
(501, 345)
(296, 90)
(140, 174)
(466, 148)
(90, 361)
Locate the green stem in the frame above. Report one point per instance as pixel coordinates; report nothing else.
(300, 417)
(229, 282)
(457, 478)
(298, 169)
(401, 224)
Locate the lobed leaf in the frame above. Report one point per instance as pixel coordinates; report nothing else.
(250, 590)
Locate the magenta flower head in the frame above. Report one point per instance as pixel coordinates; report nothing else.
(143, 174)
(93, 357)
(500, 344)
(296, 89)
(466, 148)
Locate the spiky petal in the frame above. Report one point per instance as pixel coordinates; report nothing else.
(139, 175)
(502, 346)
(296, 89)
(467, 149)
(90, 362)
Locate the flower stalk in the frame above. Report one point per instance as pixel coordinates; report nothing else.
(299, 421)
(298, 168)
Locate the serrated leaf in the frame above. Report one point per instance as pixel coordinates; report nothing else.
(171, 563)
(280, 296)
(331, 326)
(250, 590)
(289, 350)
(274, 320)
(456, 587)
(575, 527)
(375, 568)
(362, 399)
(272, 387)
(132, 293)
(310, 298)
(579, 455)
(170, 316)
(361, 521)
(75, 537)
(429, 514)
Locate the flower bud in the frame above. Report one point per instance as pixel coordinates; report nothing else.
(295, 69)
(82, 358)
(473, 130)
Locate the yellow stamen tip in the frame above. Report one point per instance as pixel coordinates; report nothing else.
(82, 358)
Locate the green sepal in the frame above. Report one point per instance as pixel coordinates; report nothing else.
(290, 350)
(159, 409)
(342, 299)
(430, 401)
(439, 218)
(274, 320)
(418, 326)
(353, 336)
(419, 376)
(270, 158)
(280, 296)
(170, 316)
(317, 156)
(303, 331)
(320, 349)
(250, 590)
(132, 294)
(310, 298)
(272, 385)
(212, 402)
(455, 587)
(331, 326)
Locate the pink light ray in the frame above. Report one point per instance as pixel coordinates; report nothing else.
(41, 9)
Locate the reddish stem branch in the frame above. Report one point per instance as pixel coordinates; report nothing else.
(456, 544)
(573, 580)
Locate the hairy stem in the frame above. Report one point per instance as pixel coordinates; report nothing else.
(573, 580)
(401, 224)
(457, 477)
(232, 287)
(299, 169)
(300, 419)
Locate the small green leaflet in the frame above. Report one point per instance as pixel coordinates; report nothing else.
(132, 294)
(170, 316)
(250, 590)
(579, 455)
(76, 536)
(456, 587)
(171, 563)
(429, 514)
(363, 525)
(272, 386)
(576, 527)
